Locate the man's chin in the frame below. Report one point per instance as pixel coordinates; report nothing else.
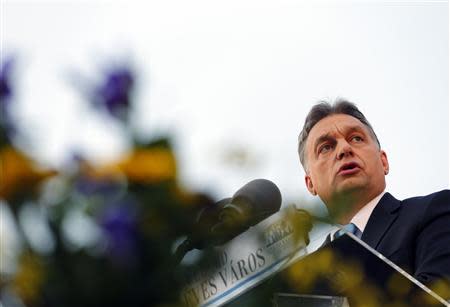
(350, 186)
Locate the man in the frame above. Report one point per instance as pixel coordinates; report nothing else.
(346, 167)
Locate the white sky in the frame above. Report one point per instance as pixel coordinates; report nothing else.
(220, 75)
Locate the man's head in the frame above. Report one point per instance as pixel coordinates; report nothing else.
(341, 155)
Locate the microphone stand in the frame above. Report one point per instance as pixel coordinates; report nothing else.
(182, 250)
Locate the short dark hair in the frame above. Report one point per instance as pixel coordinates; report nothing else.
(324, 109)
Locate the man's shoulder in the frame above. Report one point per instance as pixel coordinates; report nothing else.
(391, 203)
(433, 204)
(436, 196)
(440, 196)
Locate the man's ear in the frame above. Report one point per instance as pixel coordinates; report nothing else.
(384, 161)
(310, 185)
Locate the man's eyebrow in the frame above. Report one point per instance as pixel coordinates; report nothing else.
(323, 138)
(355, 129)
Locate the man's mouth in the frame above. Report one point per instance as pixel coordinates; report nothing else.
(349, 168)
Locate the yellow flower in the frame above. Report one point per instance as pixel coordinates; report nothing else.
(29, 278)
(398, 286)
(304, 274)
(18, 174)
(148, 165)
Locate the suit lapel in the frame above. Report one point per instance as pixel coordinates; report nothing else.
(380, 220)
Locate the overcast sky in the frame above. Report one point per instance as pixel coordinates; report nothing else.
(233, 77)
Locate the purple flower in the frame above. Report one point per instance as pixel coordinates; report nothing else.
(114, 94)
(95, 187)
(119, 222)
(7, 129)
(5, 81)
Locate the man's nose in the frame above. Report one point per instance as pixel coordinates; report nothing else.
(344, 150)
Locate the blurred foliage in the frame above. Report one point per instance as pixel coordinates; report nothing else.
(132, 212)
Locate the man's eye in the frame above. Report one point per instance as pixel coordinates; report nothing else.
(325, 148)
(357, 139)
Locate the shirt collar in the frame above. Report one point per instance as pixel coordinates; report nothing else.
(362, 217)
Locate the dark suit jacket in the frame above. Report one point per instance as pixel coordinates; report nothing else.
(414, 234)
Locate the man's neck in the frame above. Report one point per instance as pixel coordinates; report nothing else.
(345, 207)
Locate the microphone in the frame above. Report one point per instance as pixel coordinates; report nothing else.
(204, 222)
(201, 236)
(218, 224)
(251, 204)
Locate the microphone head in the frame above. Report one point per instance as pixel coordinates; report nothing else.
(208, 215)
(205, 220)
(256, 200)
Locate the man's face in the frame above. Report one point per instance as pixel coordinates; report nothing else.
(342, 158)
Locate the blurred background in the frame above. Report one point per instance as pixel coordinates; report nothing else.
(121, 119)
